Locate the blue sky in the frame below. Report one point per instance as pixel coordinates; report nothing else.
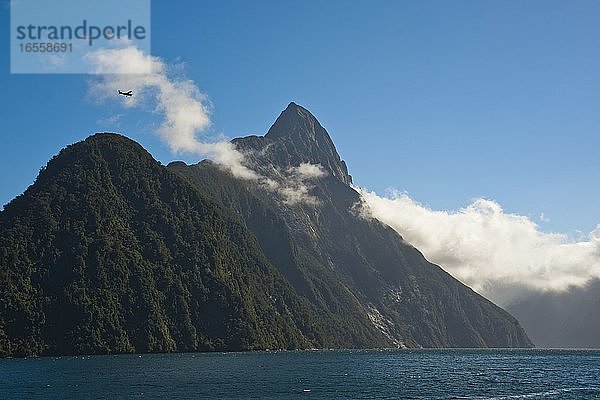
(448, 101)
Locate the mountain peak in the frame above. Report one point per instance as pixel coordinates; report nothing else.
(297, 136)
(296, 121)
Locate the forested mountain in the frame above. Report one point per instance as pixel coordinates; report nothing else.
(109, 251)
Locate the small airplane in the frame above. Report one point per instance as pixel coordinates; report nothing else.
(128, 94)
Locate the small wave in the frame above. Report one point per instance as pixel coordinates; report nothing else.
(540, 395)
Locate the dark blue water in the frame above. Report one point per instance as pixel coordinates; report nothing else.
(369, 374)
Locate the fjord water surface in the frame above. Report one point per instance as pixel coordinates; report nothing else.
(347, 374)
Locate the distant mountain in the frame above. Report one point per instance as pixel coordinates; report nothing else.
(569, 319)
(409, 300)
(110, 252)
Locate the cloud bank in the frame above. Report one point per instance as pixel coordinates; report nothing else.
(500, 255)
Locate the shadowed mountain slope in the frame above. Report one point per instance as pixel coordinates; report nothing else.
(409, 300)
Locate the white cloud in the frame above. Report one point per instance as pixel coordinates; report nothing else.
(307, 171)
(498, 254)
(296, 184)
(296, 194)
(185, 110)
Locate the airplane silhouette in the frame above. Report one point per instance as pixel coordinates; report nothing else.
(128, 94)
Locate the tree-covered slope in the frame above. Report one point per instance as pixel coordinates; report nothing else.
(108, 252)
(339, 312)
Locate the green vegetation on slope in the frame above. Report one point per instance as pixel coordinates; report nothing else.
(109, 252)
(339, 313)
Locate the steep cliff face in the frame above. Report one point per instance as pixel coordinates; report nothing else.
(295, 137)
(384, 281)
